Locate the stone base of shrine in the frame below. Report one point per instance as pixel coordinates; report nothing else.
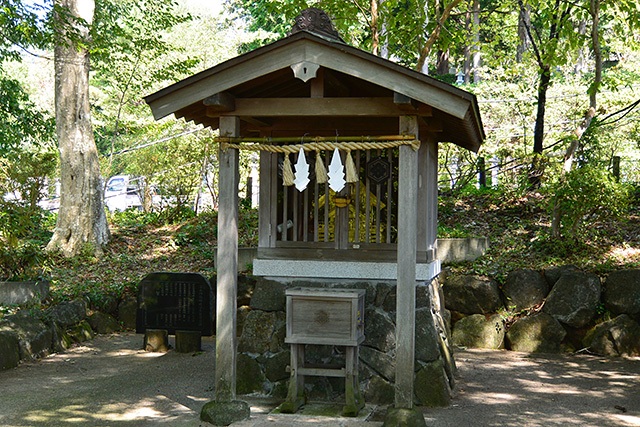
(279, 268)
(264, 356)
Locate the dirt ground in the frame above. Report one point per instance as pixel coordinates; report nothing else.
(109, 381)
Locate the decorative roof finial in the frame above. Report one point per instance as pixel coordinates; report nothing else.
(316, 21)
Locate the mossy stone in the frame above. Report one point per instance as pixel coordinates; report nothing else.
(280, 389)
(431, 385)
(401, 417)
(81, 332)
(276, 366)
(379, 391)
(61, 338)
(225, 413)
(249, 376)
(9, 350)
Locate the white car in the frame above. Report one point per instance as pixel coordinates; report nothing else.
(121, 194)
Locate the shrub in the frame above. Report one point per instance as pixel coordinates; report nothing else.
(587, 194)
(23, 234)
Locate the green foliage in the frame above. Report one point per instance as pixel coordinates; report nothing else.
(129, 52)
(96, 292)
(174, 168)
(585, 195)
(131, 218)
(22, 261)
(452, 232)
(25, 172)
(24, 230)
(202, 231)
(132, 56)
(20, 27)
(406, 23)
(20, 120)
(276, 18)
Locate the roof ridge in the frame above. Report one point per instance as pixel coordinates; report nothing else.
(317, 22)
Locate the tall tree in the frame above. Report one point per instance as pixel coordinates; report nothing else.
(627, 13)
(524, 21)
(129, 57)
(20, 120)
(81, 218)
(440, 20)
(545, 32)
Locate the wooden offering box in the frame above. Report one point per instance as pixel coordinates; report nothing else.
(325, 316)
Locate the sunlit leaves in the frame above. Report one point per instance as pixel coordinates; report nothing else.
(20, 120)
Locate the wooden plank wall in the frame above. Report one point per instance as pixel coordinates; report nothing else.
(311, 217)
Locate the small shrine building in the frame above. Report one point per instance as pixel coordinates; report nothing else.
(361, 203)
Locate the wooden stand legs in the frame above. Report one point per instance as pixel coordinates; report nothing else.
(297, 396)
(355, 402)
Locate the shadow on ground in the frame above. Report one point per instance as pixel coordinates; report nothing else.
(501, 388)
(110, 381)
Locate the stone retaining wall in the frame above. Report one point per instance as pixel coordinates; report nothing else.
(23, 292)
(30, 334)
(264, 356)
(561, 309)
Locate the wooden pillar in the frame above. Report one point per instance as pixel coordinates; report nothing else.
(427, 228)
(406, 284)
(265, 220)
(226, 290)
(431, 196)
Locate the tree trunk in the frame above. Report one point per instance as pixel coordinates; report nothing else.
(524, 21)
(536, 171)
(426, 49)
(476, 42)
(442, 64)
(594, 10)
(81, 218)
(375, 34)
(543, 87)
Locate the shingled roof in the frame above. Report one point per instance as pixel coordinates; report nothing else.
(266, 75)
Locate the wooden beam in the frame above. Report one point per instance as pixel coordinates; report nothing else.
(317, 84)
(197, 117)
(261, 123)
(431, 124)
(188, 110)
(326, 126)
(381, 75)
(306, 107)
(222, 101)
(225, 77)
(207, 122)
(265, 221)
(227, 278)
(406, 283)
(404, 103)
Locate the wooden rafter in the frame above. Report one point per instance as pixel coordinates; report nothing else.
(301, 107)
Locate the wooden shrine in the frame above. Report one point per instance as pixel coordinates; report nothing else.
(312, 91)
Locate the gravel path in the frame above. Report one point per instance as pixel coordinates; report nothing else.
(110, 382)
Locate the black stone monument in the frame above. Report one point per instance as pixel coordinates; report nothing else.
(175, 301)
